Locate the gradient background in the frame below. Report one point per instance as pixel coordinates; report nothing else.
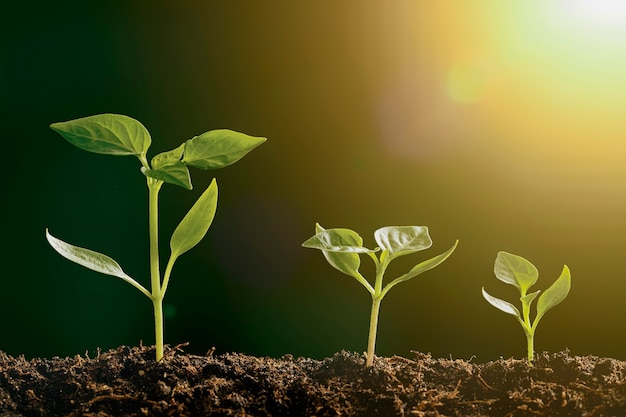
(500, 124)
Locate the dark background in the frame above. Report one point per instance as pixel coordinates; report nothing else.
(498, 125)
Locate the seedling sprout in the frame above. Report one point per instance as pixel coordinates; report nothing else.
(115, 134)
(519, 272)
(342, 247)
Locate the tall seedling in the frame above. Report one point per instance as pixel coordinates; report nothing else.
(115, 134)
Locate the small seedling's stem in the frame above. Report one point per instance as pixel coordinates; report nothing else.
(530, 343)
(155, 275)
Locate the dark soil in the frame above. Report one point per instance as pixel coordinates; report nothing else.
(128, 382)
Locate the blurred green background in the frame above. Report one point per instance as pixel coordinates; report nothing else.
(496, 123)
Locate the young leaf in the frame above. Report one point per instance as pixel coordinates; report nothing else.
(92, 260)
(168, 158)
(112, 134)
(218, 148)
(346, 262)
(515, 270)
(196, 222)
(529, 298)
(423, 267)
(555, 294)
(337, 240)
(501, 304)
(176, 173)
(403, 240)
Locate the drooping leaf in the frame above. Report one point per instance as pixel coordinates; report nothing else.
(423, 266)
(168, 158)
(196, 222)
(346, 262)
(337, 240)
(175, 173)
(111, 134)
(555, 294)
(402, 240)
(92, 260)
(501, 304)
(218, 148)
(515, 270)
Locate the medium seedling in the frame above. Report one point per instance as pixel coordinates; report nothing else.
(342, 247)
(519, 272)
(114, 134)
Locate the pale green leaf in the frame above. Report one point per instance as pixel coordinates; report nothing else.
(555, 294)
(112, 134)
(176, 173)
(423, 267)
(196, 222)
(337, 240)
(346, 262)
(168, 158)
(218, 148)
(92, 260)
(402, 240)
(501, 304)
(528, 298)
(515, 270)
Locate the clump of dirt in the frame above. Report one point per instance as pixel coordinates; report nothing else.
(129, 382)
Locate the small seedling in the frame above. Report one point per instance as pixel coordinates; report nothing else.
(519, 272)
(342, 247)
(114, 134)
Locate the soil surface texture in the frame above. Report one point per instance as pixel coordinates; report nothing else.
(129, 382)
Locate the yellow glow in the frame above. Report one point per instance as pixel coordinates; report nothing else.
(466, 82)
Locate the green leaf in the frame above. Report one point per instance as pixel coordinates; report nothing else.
(402, 240)
(337, 240)
(176, 173)
(515, 270)
(346, 262)
(196, 222)
(92, 260)
(529, 298)
(555, 294)
(168, 158)
(501, 304)
(218, 148)
(111, 134)
(423, 267)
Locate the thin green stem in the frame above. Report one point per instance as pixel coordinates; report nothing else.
(530, 344)
(155, 275)
(377, 297)
(157, 304)
(371, 341)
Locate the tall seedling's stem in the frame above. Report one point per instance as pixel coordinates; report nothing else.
(154, 186)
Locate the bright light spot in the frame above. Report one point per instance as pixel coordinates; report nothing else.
(593, 20)
(601, 11)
